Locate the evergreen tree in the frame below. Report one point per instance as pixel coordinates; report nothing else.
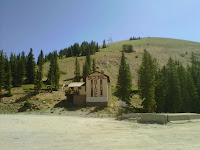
(8, 78)
(97, 47)
(50, 78)
(54, 74)
(77, 71)
(124, 47)
(88, 60)
(94, 65)
(22, 68)
(30, 70)
(86, 71)
(76, 49)
(146, 82)
(173, 88)
(39, 74)
(129, 48)
(18, 71)
(14, 71)
(83, 48)
(40, 58)
(194, 68)
(124, 81)
(184, 97)
(193, 104)
(2, 63)
(104, 44)
(160, 89)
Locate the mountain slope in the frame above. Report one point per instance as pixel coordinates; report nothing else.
(108, 59)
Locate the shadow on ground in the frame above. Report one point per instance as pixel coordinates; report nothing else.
(24, 98)
(68, 105)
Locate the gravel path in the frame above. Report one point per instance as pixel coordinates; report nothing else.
(46, 132)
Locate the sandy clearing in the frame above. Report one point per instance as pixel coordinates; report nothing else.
(22, 132)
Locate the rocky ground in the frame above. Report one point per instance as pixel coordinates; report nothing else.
(23, 131)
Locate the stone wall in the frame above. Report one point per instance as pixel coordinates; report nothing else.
(101, 104)
(79, 100)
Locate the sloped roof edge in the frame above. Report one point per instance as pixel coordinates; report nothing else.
(100, 73)
(76, 84)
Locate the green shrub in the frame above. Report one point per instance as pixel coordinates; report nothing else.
(28, 104)
(62, 72)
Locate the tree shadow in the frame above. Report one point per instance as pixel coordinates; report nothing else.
(68, 105)
(23, 108)
(25, 98)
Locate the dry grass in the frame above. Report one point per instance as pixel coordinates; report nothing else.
(108, 60)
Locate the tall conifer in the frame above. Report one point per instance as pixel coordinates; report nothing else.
(173, 97)
(54, 74)
(30, 69)
(160, 89)
(2, 65)
(146, 82)
(124, 81)
(39, 73)
(77, 71)
(93, 65)
(8, 78)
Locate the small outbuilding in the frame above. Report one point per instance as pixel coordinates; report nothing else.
(94, 92)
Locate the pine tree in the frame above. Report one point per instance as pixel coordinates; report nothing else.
(14, 71)
(104, 44)
(129, 48)
(86, 71)
(54, 74)
(18, 71)
(40, 58)
(8, 78)
(50, 78)
(124, 47)
(39, 74)
(93, 65)
(77, 71)
(194, 68)
(30, 69)
(160, 89)
(173, 88)
(193, 103)
(184, 97)
(2, 65)
(88, 60)
(124, 81)
(97, 47)
(22, 68)
(146, 82)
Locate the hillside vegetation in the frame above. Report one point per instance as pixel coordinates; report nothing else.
(108, 59)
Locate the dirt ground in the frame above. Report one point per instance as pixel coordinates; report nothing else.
(46, 132)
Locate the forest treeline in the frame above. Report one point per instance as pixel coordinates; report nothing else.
(172, 88)
(20, 69)
(77, 50)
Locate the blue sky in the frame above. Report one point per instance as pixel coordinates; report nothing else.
(55, 24)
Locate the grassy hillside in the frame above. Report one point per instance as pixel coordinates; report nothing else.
(108, 59)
